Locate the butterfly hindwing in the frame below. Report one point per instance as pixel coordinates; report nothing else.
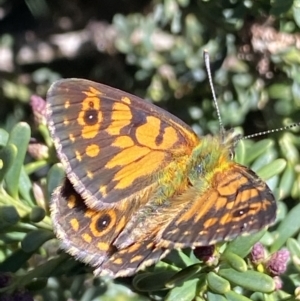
(89, 235)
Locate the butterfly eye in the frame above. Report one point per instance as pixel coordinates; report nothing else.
(231, 154)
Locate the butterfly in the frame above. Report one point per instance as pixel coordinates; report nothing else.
(139, 181)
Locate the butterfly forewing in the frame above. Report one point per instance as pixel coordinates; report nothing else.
(111, 143)
(238, 203)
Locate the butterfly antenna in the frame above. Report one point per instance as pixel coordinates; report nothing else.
(207, 66)
(288, 127)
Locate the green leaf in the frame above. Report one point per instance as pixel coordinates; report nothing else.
(242, 245)
(32, 167)
(288, 148)
(217, 284)
(233, 296)
(215, 297)
(235, 261)
(272, 169)
(286, 182)
(19, 136)
(37, 214)
(251, 280)
(54, 178)
(35, 239)
(287, 228)
(280, 7)
(3, 137)
(178, 258)
(9, 216)
(186, 292)
(241, 153)
(37, 284)
(184, 275)
(148, 282)
(15, 261)
(25, 187)
(7, 158)
(257, 149)
(293, 246)
(296, 12)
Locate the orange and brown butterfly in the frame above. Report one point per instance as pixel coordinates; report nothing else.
(139, 182)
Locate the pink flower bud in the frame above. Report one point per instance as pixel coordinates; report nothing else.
(278, 262)
(258, 253)
(38, 106)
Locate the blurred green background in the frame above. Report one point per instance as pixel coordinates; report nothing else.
(153, 49)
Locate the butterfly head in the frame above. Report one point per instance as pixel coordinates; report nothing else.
(229, 139)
